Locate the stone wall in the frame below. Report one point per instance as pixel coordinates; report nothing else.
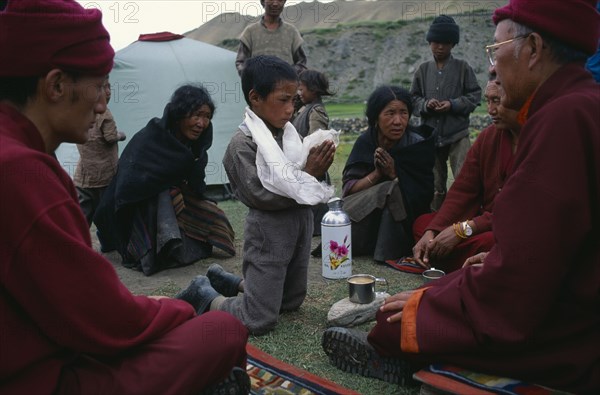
(359, 125)
(349, 125)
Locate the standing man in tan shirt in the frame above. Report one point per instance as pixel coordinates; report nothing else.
(98, 159)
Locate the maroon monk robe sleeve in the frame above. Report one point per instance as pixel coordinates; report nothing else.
(70, 292)
(543, 226)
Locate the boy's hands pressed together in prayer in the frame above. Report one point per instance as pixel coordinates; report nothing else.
(320, 158)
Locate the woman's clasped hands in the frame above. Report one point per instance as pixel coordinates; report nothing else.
(384, 163)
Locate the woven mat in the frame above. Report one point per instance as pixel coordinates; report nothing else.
(272, 376)
(406, 264)
(449, 379)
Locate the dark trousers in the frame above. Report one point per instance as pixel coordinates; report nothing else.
(89, 199)
(196, 354)
(379, 235)
(456, 153)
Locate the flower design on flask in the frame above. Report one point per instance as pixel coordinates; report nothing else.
(338, 253)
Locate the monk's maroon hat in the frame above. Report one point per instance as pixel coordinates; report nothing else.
(39, 35)
(573, 22)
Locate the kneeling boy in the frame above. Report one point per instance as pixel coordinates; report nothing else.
(261, 163)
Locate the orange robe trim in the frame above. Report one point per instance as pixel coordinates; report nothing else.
(408, 337)
(524, 112)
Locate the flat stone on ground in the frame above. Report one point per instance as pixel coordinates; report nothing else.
(347, 314)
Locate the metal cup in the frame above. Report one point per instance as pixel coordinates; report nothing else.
(361, 287)
(433, 274)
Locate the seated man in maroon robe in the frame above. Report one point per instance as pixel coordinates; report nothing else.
(463, 225)
(68, 325)
(532, 310)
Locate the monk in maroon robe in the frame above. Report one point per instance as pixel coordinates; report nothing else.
(470, 199)
(67, 323)
(531, 311)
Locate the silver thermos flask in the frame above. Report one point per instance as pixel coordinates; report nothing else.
(336, 241)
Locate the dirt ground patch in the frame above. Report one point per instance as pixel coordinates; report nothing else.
(168, 282)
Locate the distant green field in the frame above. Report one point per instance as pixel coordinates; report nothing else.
(345, 110)
(357, 110)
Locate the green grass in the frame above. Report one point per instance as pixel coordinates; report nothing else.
(341, 156)
(481, 109)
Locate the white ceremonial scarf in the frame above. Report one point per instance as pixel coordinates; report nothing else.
(280, 171)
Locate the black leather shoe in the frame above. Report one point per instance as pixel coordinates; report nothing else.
(225, 283)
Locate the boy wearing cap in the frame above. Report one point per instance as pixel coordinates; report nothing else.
(531, 311)
(68, 325)
(445, 92)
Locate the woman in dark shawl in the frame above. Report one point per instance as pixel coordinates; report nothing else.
(388, 178)
(154, 211)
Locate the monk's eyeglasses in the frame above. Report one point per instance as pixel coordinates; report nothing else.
(491, 49)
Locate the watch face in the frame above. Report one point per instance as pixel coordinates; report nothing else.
(468, 230)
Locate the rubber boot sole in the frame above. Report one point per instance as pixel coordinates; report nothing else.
(237, 383)
(350, 351)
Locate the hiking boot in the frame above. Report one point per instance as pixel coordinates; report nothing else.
(349, 350)
(225, 283)
(237, 383)
(199, 294)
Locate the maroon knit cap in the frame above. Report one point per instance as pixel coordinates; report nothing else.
(39, 35)
(573, 22)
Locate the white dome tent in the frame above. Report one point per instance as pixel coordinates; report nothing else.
(145, 75)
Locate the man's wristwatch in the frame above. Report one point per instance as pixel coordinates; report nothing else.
(467, 230)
